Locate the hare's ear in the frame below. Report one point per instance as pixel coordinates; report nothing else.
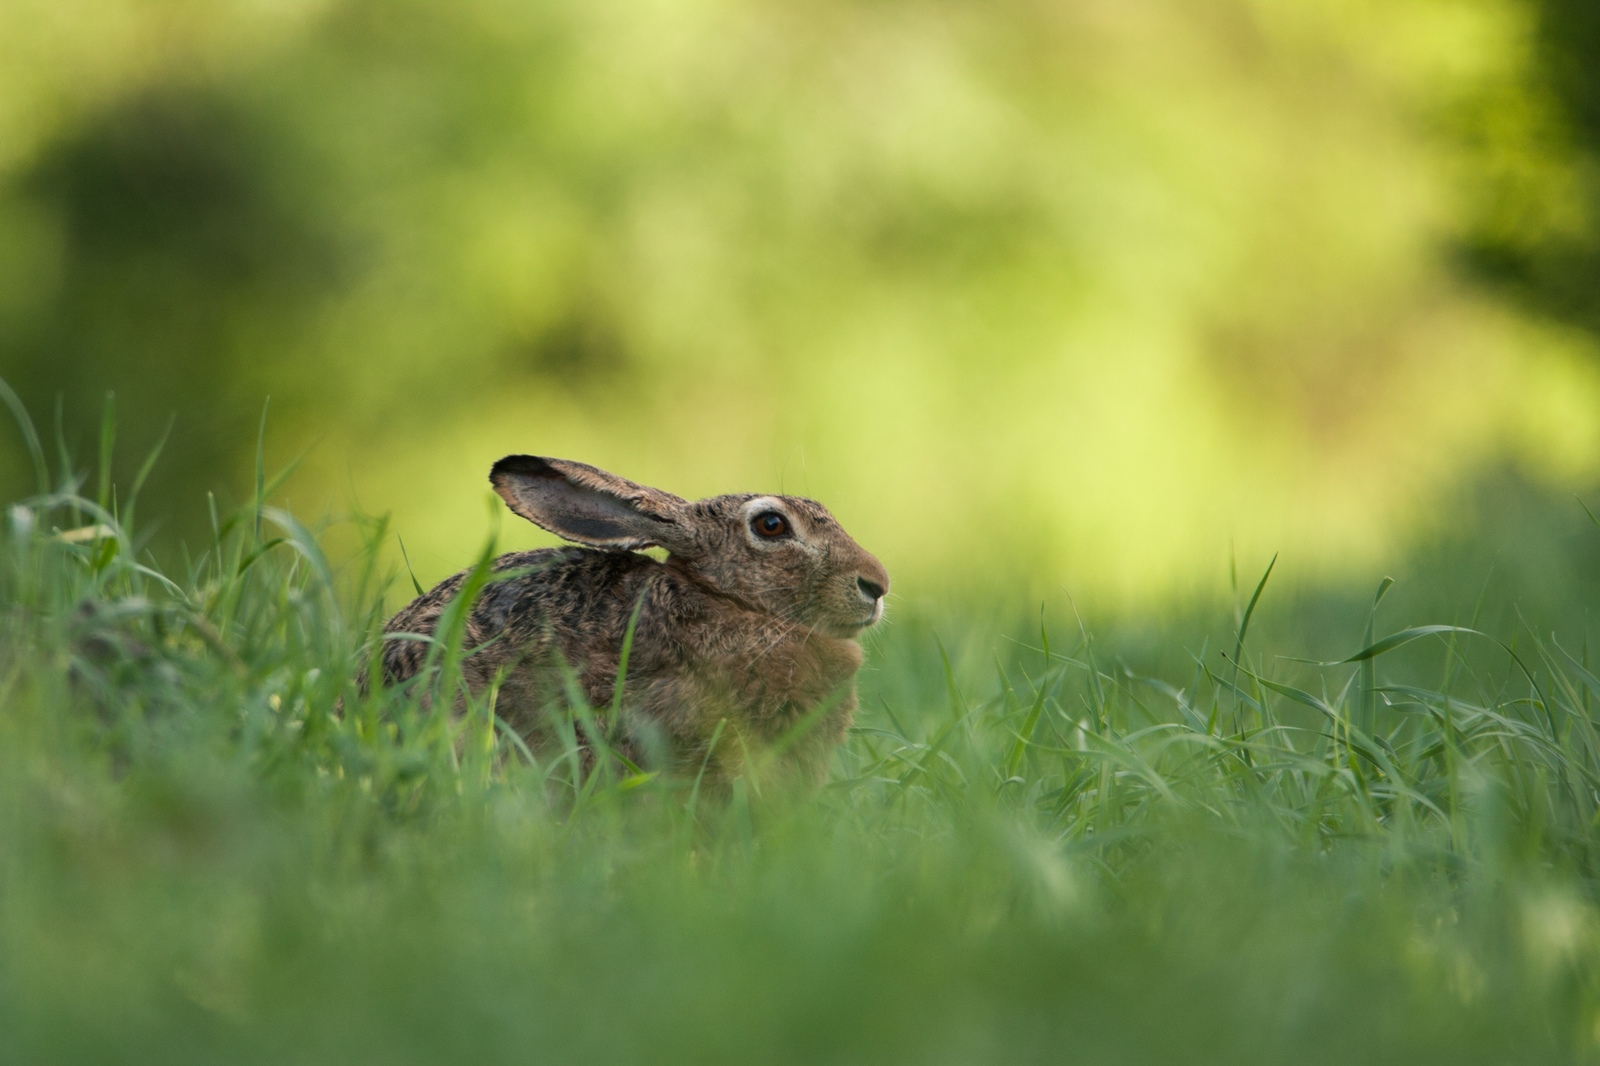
(590, 506)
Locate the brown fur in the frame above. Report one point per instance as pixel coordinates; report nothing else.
(733, 628)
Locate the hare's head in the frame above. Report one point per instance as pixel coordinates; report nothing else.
(783, 555)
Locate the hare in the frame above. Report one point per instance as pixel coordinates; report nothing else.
(746, 632)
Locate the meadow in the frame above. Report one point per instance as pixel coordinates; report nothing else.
(1144, 342)
(213, 847)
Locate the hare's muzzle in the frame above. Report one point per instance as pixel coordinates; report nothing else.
(872, 585)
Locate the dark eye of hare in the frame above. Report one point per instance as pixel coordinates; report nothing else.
(770, 524)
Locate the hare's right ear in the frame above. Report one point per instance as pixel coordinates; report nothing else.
(590, 506)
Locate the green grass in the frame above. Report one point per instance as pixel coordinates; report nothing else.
(213, 848)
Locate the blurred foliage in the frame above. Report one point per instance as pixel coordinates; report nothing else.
(1095, 289)
(1538, 223)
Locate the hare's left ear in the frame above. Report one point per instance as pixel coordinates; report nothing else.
(588, 505)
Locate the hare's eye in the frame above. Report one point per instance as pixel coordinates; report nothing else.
(770, 524)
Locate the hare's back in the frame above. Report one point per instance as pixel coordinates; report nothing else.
(573, 594)
(529, 597)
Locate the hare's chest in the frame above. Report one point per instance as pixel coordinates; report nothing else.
(789, 671)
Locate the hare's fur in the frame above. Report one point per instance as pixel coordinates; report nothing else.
(737, 632)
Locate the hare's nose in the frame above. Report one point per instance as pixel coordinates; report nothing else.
(870, 589)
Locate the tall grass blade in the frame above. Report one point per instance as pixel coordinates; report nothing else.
(30, 438)
(108, 440)
(261, 467)
(412, 574)
(149, 465)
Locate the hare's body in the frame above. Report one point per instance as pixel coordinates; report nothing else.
(693, 661)
(740, 631)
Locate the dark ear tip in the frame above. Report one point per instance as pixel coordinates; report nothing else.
(521, 466)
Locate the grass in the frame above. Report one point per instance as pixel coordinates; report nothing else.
(214, 848)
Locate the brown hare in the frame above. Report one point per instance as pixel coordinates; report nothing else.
(746, 631)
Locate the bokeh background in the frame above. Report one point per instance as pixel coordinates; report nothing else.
(1095, 295)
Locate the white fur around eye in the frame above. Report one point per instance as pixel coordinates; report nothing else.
(759, 505)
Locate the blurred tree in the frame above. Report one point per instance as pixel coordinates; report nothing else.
(1537, 231)
(181, 267)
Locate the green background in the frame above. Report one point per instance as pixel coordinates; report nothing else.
(1036, 295)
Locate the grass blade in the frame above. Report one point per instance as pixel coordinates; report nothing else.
(30, 438)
